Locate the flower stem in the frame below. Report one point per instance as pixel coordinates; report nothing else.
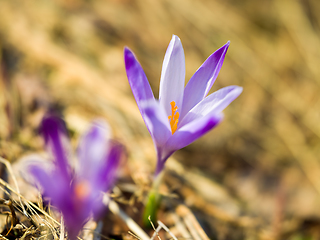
(159, 168)
(153, 202)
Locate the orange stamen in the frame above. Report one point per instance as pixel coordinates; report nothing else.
(174, 117)
(82, 190)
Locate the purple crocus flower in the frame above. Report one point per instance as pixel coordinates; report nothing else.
(182, 114)
(77, 193)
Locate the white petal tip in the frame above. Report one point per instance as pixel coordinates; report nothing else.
(175, 38)
(235, 90)
(239, 89)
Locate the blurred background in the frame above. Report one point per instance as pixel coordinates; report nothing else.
(255, 176)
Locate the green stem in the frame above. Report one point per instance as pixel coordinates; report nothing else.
(153, 202)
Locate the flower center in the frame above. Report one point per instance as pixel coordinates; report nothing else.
(174, 117)
(82, 190)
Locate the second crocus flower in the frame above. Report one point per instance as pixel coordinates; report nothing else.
(77, 192)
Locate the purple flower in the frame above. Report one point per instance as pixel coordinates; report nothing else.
(77, 193)
(182, 114)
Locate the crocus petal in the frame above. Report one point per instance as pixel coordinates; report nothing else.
(215, 102)
(92, 150)
(172, 76)
(27, 162)
(107, 173)
(158, 122)
(137, 79)
(104, 178)
(74, 219)
(62, 196)
(192, 131)
(53, 185)
(201, 82)
(43, 178)
(52, 129)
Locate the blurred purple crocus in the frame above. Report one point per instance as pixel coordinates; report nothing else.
(77, 193)
(182, 114)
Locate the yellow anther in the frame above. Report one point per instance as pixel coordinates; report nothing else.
(174, 117)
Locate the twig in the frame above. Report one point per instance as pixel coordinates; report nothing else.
(132, 225)
(180, 226)
(8, 165)
(3, 237)
(17, 192)
(156, 231)
(192, 223)
(62, 229)
(191, 228)
(167, 230)
(14, 219)
(133, 235)
(5, 184)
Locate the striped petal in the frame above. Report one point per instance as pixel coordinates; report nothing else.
(92, 150)
(192, 131)
(172, 76)
(215, 102)
(202, 81)
(137, 80)
(158, 122)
